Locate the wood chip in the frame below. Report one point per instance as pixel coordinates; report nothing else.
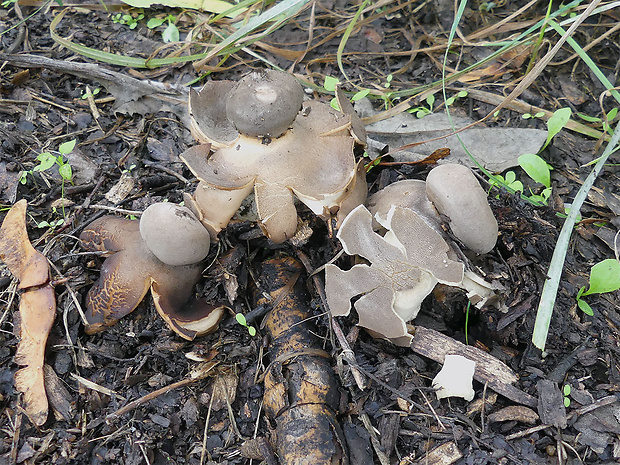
(515, 413)
(445, 454)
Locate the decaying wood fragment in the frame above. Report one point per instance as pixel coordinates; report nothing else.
(301, 391)
(37, 308)
(489, 370)
(445, 454)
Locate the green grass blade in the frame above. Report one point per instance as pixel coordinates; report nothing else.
(587, 60)
(345, 37)
(287, 8)
(550, 288)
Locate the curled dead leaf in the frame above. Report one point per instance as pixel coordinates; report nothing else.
(37, 309)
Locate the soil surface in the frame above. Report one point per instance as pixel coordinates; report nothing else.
(127, 159)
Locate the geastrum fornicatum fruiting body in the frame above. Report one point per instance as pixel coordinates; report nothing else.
(258, 135)
(412, 255)
(142, 256)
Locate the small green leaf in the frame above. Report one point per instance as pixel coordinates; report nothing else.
(65, 171)
(67, 147)
(510, 177)
(155, 22)
(580, 293)
(462, 94)
(330, 83)
(422, 113)
(171, 33)
(46, 161)
(566, 389)
(566, 402)
(23, 177)
(360, 95)
(526, 116)
(540, 114)
(585, 308)
(612, 114)
(536, 168)
(334, 104)
(557, 121)
(430, 100)
(252, 331)
(589, 119)
(240, 317)
(604, 277)
(450, 101)
(517, 186)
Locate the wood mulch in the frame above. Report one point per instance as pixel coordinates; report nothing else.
(201, 401)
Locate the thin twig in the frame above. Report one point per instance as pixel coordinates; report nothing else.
(153, 395)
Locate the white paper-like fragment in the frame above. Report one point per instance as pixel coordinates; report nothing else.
(455, 378)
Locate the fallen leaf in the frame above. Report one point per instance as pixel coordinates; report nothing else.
(37, 309)
(497, 149)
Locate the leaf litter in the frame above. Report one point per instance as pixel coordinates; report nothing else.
(139, 346)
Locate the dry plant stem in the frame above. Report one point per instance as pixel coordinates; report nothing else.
(17, 429)
(524, 84)
(96, 387)
(347, 352)
(205, 433)
(587, 47)
(122, 211)
(522, 107)
(383, 459)
(153, 395)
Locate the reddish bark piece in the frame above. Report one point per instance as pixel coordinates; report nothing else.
(128, 274)
(37, 309)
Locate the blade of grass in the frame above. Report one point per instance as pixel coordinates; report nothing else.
(112, 58)
(550, 288)
(587, 60)
(345, 38)
(19, 23)
(541, 36)
(521, 39)
(288, 8)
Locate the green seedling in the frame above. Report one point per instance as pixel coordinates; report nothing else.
(47, 160)
(509, 181)
(421, 112)
(540, 114)
(566, 392)
(240, 317)
(86, 94)
(450, 101)
(604, 277)
(534, 165)
(330, 84)
(370, 165)
(605, 123)
(51, 224)
(130, 20)
(171, 33)
(556, 123)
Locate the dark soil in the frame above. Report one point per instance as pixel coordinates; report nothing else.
(41, 108)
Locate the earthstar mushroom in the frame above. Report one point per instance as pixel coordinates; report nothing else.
(279, 152)
(130, 270)
(411, 255)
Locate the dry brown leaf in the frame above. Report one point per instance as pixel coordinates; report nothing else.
(37, 309)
